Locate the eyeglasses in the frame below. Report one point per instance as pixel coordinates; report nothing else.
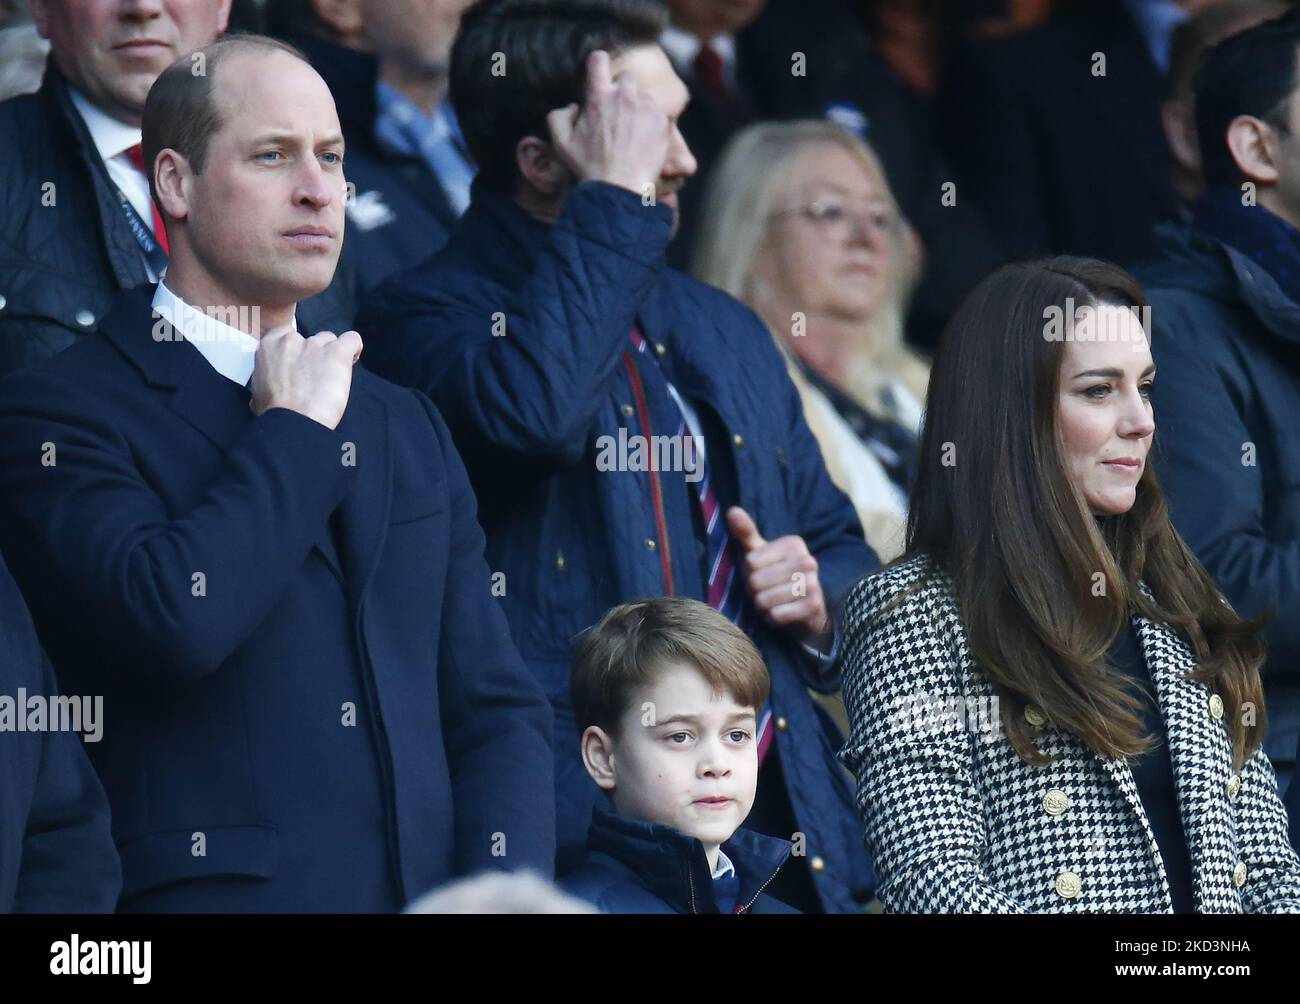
(833, 215)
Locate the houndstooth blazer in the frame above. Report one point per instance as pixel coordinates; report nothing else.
(958, 823)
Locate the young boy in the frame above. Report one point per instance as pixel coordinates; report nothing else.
(667, 690)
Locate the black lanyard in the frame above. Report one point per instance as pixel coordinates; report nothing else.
(153, 252)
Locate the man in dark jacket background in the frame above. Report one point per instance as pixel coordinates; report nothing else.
(77, 224)
(1225, 307)
(751, 60)
(385, 62)
(557, 342)
(1055, 132)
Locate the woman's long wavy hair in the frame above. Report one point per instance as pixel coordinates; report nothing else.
(994, 507)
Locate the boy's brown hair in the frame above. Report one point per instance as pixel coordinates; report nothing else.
(632, 642)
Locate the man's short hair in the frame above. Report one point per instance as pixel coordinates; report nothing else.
(514, 61)
(1251, 73)
(633, 642)
(180, 113)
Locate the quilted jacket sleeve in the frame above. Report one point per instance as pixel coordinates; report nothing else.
(923, 815)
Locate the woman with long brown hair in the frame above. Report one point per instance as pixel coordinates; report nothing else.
(1053, 707)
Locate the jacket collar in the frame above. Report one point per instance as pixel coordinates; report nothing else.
(674, 867)
(219, 409)
(505, 242)
(1192, 259)
(56, 98)
(500, 235)
(1200, 753)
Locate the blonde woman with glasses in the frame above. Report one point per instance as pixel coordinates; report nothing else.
(800, 224)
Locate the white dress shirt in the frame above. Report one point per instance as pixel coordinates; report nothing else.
(227, 349)
(112, 139)
(724, 865)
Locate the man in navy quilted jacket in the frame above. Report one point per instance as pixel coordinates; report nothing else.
(629, 432)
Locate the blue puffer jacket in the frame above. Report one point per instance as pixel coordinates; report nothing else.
(1226, 340)
(519, 331)
(637, 867)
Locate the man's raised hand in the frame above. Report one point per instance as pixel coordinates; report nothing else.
(618, 135)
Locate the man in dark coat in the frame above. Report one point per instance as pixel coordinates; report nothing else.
(1056, 134)
(56, 848)
(578, 374)
(279, 588)
(386, 65)
(761, 60)
(1225, 307)
(78, 223)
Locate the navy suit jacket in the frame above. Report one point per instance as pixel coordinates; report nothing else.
(312, 701)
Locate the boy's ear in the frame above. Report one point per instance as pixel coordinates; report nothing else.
(598, 756)
(1253, 145)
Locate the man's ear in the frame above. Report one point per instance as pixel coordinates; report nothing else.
(223, 17)
(540, 167)
(1253, 144)
(598, 756)
(171, 179)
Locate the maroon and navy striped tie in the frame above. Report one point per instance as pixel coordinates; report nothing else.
(725, 590)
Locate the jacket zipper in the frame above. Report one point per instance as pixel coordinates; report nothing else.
(746, 907)
(656, 493)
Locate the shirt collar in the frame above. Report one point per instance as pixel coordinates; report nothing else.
(406, 113)
(110, 136)
(228, 350)
(682, 47)
(724, 866)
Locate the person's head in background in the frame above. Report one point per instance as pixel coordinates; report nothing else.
(246, 164)
(1248, 115)
(667, 691)
(515, 61)
(799, 223)
(22, 51)
(1191, 40)
(112, 51)
(411, 39)
(520, 892)
(1034, 493)
(709, 19)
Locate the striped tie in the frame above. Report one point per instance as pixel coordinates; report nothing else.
(724, 589)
